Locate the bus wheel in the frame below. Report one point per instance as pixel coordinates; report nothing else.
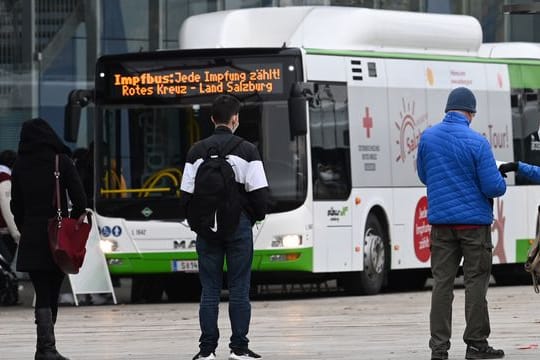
(370, 281)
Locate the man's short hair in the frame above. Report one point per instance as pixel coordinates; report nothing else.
(224, 107)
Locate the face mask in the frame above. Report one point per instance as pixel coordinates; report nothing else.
(235, 126)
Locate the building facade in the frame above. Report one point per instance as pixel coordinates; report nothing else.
(49, 47)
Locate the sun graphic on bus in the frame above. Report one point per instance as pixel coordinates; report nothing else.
(409, 134)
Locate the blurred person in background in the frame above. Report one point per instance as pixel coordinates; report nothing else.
(9, 234)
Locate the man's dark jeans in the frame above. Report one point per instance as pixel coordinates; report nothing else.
(238, 252)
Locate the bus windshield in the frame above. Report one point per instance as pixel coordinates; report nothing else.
(142, 151)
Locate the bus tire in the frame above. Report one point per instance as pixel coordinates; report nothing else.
(376, 261)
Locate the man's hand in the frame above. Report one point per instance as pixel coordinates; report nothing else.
(507, 167)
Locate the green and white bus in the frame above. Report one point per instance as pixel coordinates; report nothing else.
(335, 100)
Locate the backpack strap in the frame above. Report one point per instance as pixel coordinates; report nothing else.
(209, 149)
(223, 150)
(230, 145)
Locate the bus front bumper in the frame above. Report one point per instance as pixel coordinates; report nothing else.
(123, 264)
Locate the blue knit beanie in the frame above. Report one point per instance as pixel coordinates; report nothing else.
(461, 98)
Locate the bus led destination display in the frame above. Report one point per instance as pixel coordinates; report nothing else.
(264, 79)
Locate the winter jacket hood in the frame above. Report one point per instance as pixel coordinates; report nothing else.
(37, 136)
(457, 166)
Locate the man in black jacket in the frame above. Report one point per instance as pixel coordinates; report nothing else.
(238, 247)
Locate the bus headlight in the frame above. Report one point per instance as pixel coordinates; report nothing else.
(108, 246)
(287, 241)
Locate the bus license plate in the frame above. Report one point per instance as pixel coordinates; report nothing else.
(185, 266)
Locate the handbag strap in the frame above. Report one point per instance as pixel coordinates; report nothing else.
(57, 188)
(56, 197)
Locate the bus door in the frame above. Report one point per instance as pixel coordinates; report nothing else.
(331, 171)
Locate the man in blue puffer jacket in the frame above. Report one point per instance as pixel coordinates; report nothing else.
(457, 166)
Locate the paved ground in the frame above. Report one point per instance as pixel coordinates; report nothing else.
(387, 326)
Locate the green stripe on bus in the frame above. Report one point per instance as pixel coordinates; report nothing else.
(523, 73)
(522, 249)
(153, 263)
(524, 76)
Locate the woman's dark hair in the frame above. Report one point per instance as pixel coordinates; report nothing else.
(7, 158)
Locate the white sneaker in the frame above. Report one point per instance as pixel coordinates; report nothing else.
(243, 355)
(212, 356)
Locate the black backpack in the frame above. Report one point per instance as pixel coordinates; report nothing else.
(214, 209)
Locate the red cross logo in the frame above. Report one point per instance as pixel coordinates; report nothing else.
(367, 122)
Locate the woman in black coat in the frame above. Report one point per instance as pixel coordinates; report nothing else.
(32, 192)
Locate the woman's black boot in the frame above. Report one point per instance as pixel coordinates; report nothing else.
(46, 343)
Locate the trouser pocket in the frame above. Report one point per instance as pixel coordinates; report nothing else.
(485, 256)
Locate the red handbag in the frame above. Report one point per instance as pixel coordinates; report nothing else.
(67, 236)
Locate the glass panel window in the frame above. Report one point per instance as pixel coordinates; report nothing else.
(125, 26)
(238, 4)
(142, 152)
(330, 160)
(526, 126)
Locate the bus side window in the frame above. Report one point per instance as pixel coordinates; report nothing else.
(330, 153)
(526, 121)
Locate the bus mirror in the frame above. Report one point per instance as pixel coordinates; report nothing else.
(298, 111)
(72, 116)
(77, 99)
